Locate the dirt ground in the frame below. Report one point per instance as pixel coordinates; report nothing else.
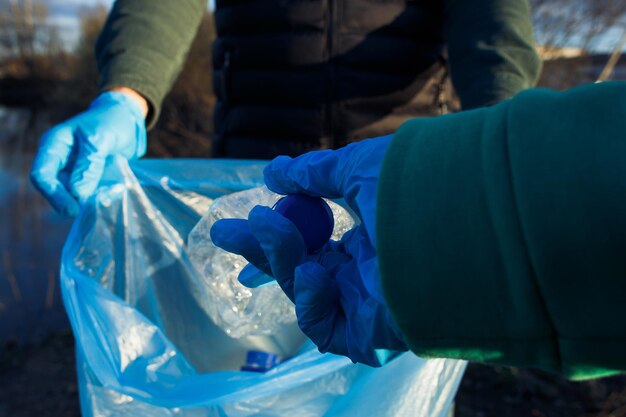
(39, 380)
(507, 392)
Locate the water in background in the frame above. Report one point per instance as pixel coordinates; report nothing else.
(31, 237)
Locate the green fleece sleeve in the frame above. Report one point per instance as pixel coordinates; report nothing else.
(491, 49)
(143, 46)
(502, 232)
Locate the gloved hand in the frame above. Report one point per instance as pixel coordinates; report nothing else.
(72, 155)
(336, 291)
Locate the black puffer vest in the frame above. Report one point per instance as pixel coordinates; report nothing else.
(297, 75)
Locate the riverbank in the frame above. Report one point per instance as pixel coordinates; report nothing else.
(31, 237)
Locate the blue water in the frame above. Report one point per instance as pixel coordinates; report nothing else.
(31, 238)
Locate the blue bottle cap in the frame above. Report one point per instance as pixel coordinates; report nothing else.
(258, 361)
(311, 215)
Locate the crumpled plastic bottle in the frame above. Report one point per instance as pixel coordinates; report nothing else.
(238, 310)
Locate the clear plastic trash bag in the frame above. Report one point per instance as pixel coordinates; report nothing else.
(145, 344)
(238, 310)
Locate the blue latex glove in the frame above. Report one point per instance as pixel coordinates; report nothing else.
(72, 155)
(336, 291)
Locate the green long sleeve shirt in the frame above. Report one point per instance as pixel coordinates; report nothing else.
(490, 47)
(502, 232)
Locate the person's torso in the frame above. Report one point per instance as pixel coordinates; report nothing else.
(297, 75)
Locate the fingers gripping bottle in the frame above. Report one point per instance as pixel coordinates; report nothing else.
(241, 311)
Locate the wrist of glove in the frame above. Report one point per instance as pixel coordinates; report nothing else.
(115, 102)
(72, 155)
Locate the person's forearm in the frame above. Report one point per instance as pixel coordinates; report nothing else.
(491, 49)
(141, 101)
(500, 232)
(143, 45)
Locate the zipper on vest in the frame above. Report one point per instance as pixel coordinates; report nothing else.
(226, 76)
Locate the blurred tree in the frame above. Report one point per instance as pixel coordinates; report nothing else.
(570, 33)
(30, 46)
(32, 57)
(618, 51)
(579, 23)
(85, 78)
(81, 87)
